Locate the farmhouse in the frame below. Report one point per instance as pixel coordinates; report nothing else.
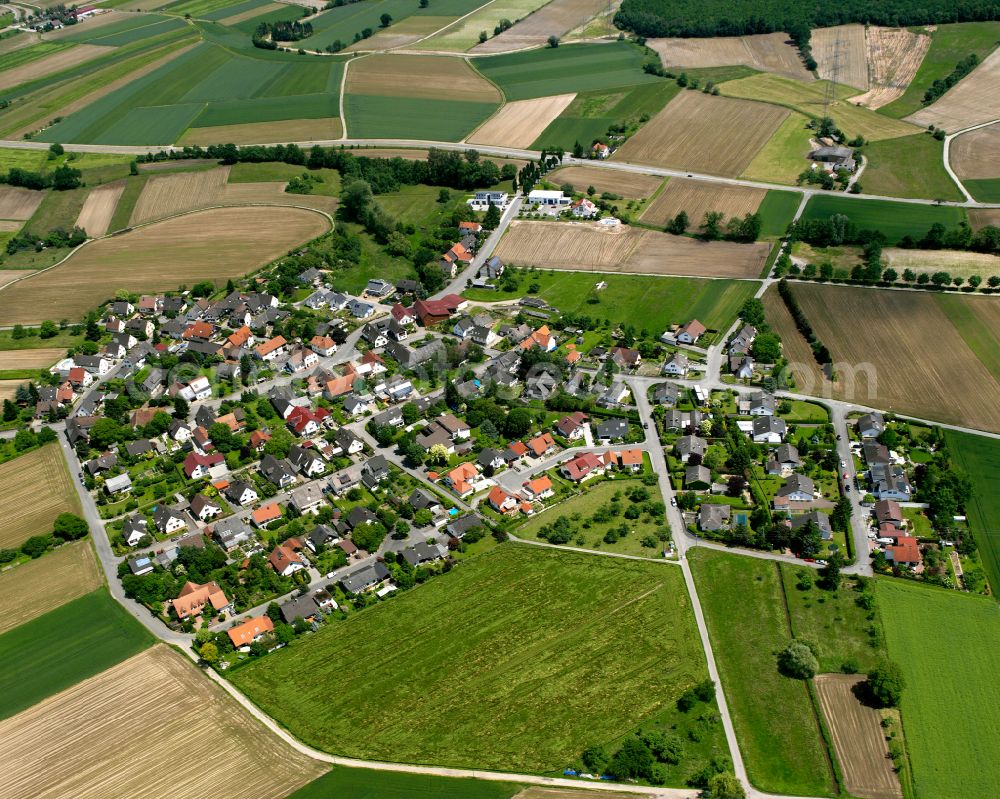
(837, 157)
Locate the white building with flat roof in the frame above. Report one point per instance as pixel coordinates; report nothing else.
(547, 197)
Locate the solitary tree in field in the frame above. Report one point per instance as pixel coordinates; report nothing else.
(886, 684)
(797, 660)
(553, 41)
(724, 786)
(386, 20)
(424, 3)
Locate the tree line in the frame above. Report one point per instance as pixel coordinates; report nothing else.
(62, 178)
(819, 349)
(740, 17)
(941, 85)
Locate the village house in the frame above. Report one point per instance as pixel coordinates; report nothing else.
(265, 514)
(572, 426)
(797, 488)
(821, 520)
(712, 518)
(676, 364)
(686, 446)
(501, 501)
(251, 630)
(204, 508)
(538, 489)
(193, 597)
(135, 529)
(769, 430)
(690, 332)
(232, 533)
(582, 467)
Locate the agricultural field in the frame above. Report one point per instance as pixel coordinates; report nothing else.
(910, 166)
(589, 116)
(126, 29)
(568, 68)
(858, 738)
(951, 695)
(980, 217)
(19, 204)
(956, 263)
(534, 634)
(64, 646)
(42, 60)
(696, 198)
(464, 35)
(215, 244)
(894, 57)
(748, 622)
(979, 459)
(556, 18)
(972, 101)
(171, 194)
(894, 219)
(67, 573)
(702, 133)
(975, 157)
(841, 54)
(949, 44)
(419, 76)
(35, 358)
(8, 389)
(784, 155)
(275, 194)
(810, 98)
(379, 117)
(657, 302)
(765, 52)
(519, 123)
(37, 488)
(580, 246)
(896, 350)
(285, 130)
(631, 187)
(777, 211)
(112, 737)
(345, 21)
(353, 783)
(401, 34)
(99, 208)
(10, 275)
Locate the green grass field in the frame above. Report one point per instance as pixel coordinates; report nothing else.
(947, 644)
(775, 722)
(58, 209)
(776, 212)
(894, 219)
(911, 166)
(569, 68)
(133, 29)
(343, 22)
(412, 118)
(517, 659)
(644, 301)
(986, 190)
(591, 113)
(19, 58)
(951, 43)
(783, 157)
(979, 458)
(59, 649)
(353, 783)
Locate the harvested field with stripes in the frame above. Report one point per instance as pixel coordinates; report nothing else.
(702, 133)
(976, 154)
(894, 56)
(37, 358)
(768, 52)
(129, 733)
(18, 203)
(555, 19)
(99, 208)
(843, 48)
(696, 198)
(37, 488)
(954, 262)
(49, 65)
(973, 100)
(632, 187)
(67, 573)
(981, 217)
(266, 132)
(419, 76)
(588, 247)
(519, 123)
(166, 195)
(212, 245)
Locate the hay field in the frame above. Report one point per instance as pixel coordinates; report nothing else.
(166, 195)
(767, 52)
(899, 351)
(630, 186)
(99, 208)
(555, 19)
(954, 262)
(973, 100)
(809, 98)
(49, 65)
(67, 573)
(30, 358)
(281, 132)
(406, 31)
(586, 247)
(18, 203)
(894, 56)
(842, 50)
(857, 738)
(976, 154)
(702, 133)
(215, 245)
(37, 487)
(696, 198)
(274, 194)
(149, 726)
(519, 123)
(426, 77)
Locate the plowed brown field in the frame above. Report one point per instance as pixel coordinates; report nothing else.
(18, 203)
(166, 195)
(99, 208)
(152, 726)
(768, 52)
(976, 154)
(555, 19)
(894, 56)
(30, 358)
(857, 738)
(841, 54)
(696, 198)
(267, 132)
(973, 100)
(702, 133)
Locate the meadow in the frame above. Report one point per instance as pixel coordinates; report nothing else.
(37, 488)
(378, 117)
(783, 156)
(354, 783)
(654, 303)
(894, 219)
(64, 646)
(947, 645)
(568, 68)
(748, 621)
(910, 166)
(979, 459)
(776, 212)
(586, 648)
(985, 190)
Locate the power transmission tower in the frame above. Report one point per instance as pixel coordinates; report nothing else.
(830, 95)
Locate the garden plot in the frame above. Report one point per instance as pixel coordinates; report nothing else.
(894, 56)
(768, 52)
(841, 54)
(555, 19)
(519, 123)
(973, 100)
(99, 208)
(697, 197)
(702, 133)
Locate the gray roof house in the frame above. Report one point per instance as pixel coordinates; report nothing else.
(697, 477)
(713, 518)
(687, 446)
(821, 519)
(364, 578)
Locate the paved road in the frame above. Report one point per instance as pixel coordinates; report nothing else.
(946, 155)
